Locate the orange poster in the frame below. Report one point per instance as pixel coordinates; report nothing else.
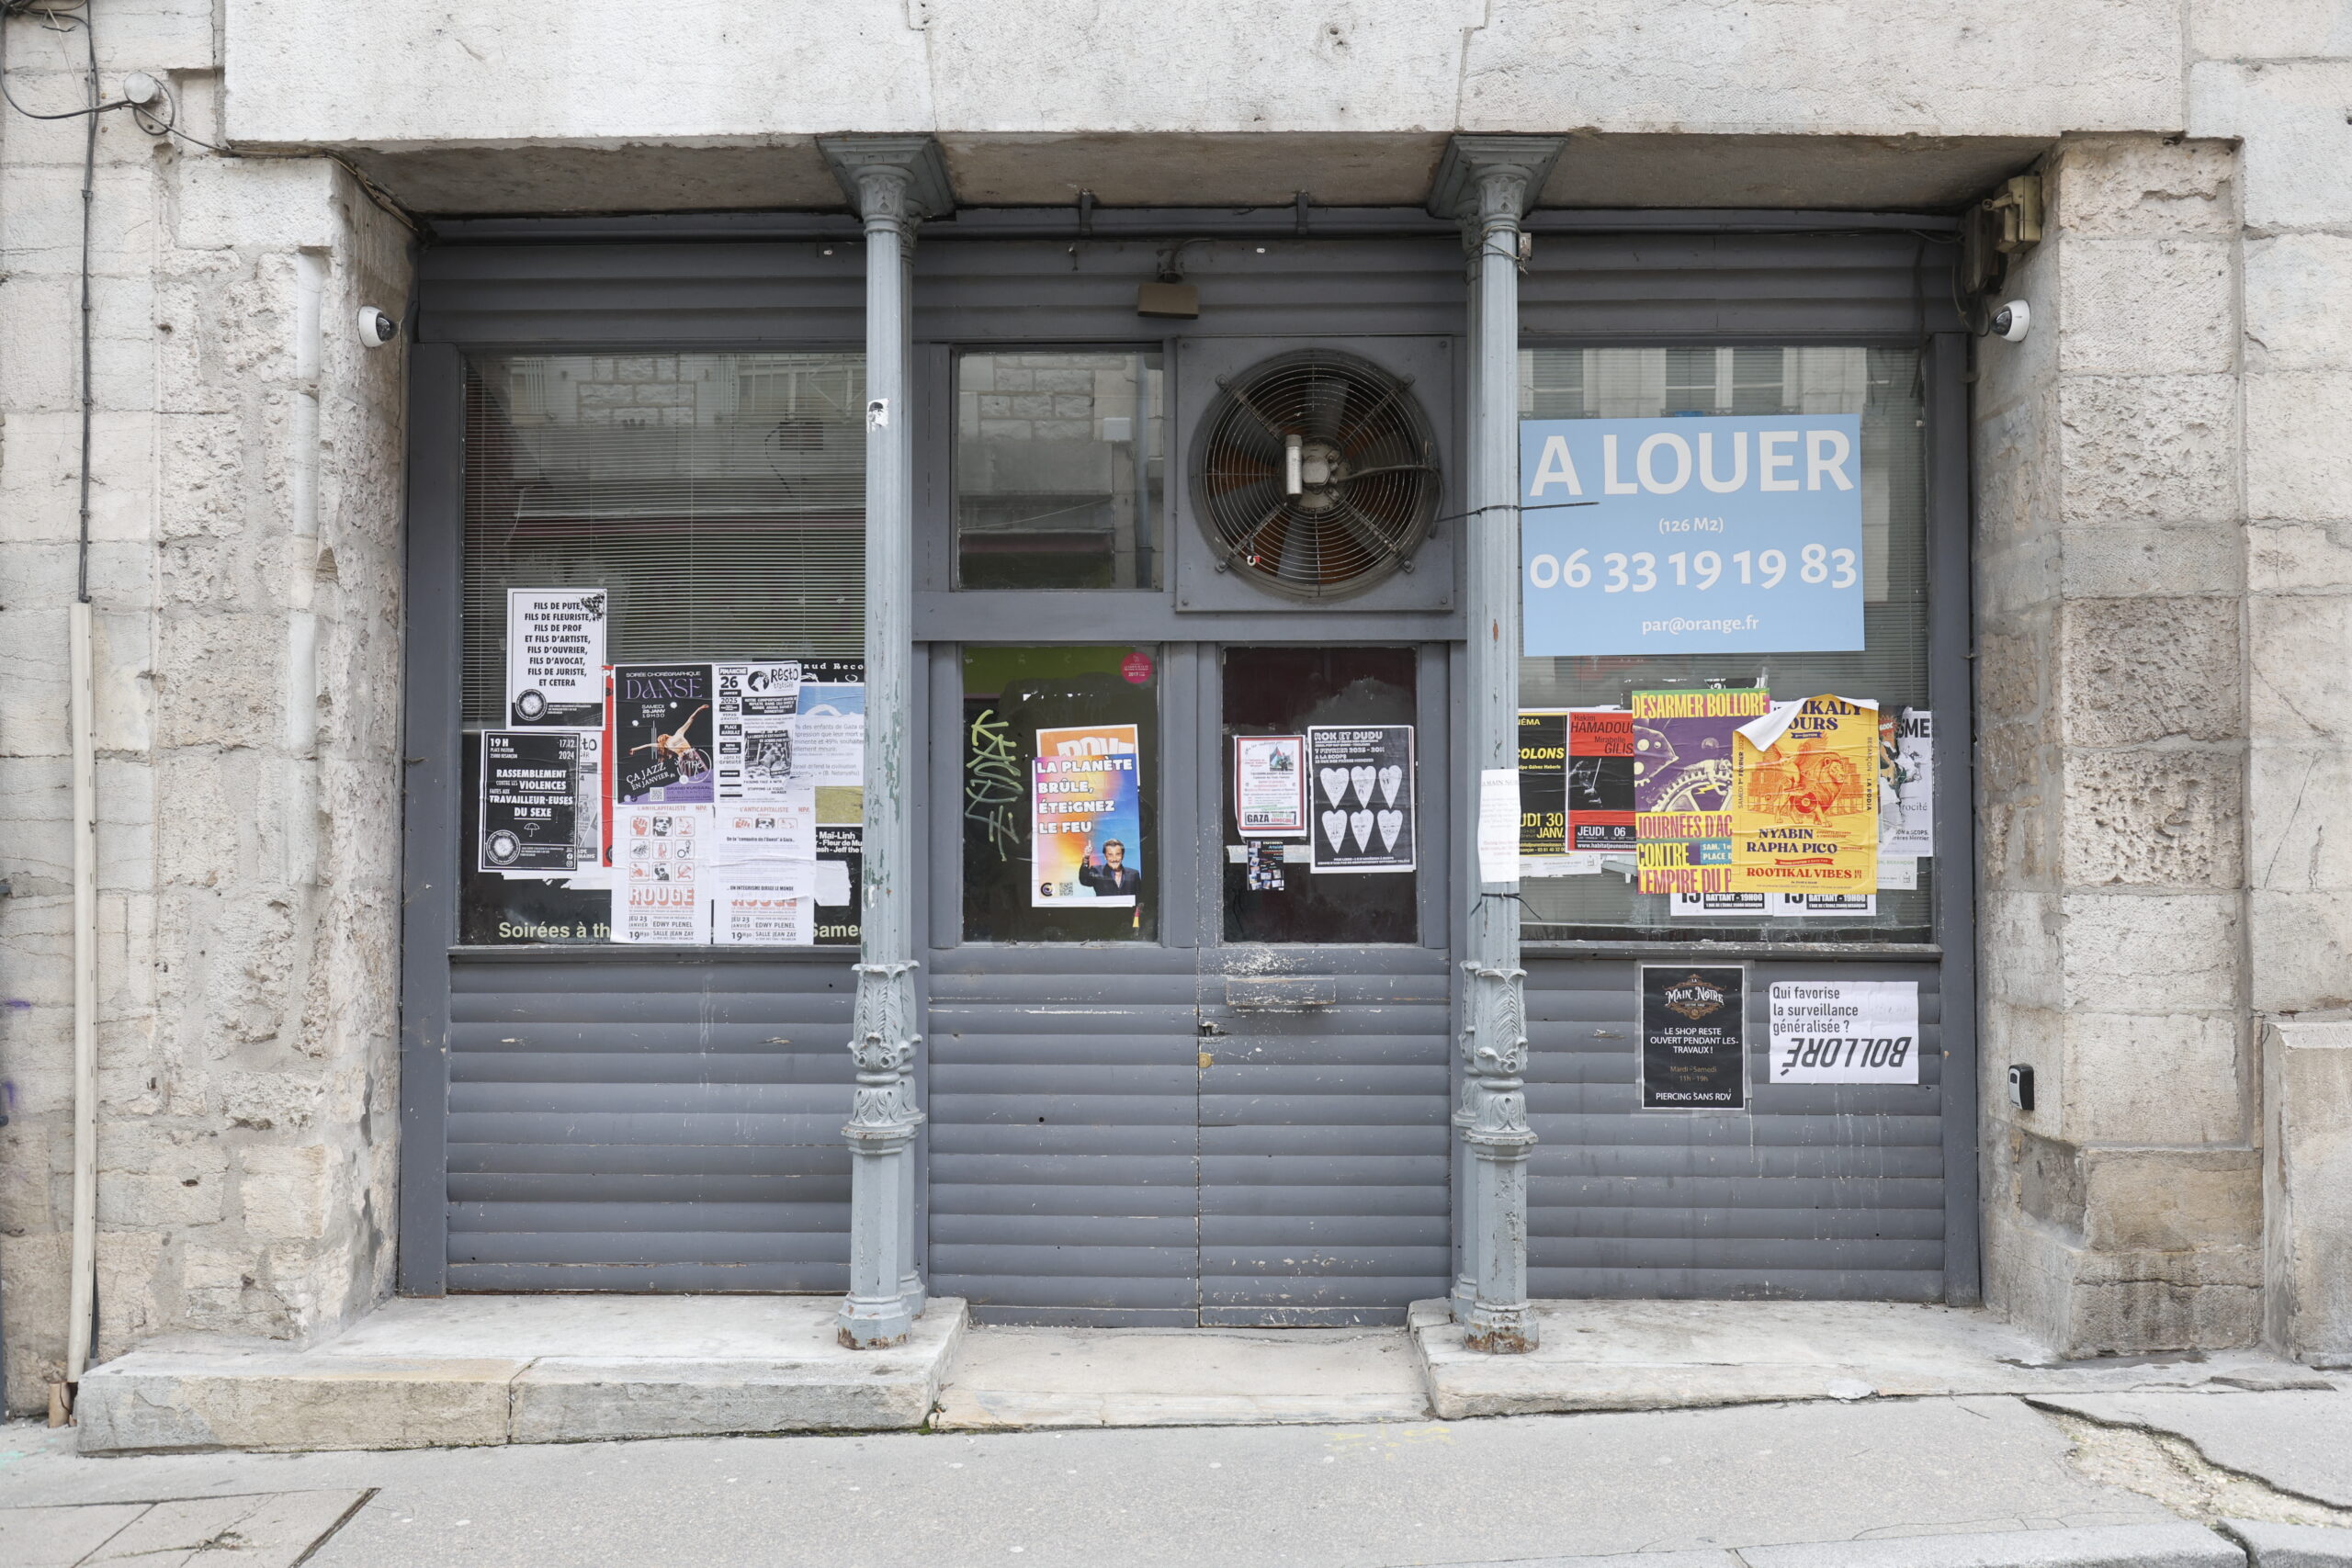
(1805, 799)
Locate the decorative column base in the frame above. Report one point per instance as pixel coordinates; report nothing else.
(881, 1310)
(1499, 1140)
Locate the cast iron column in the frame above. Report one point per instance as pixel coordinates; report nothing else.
(895, 183)
(1486, 182)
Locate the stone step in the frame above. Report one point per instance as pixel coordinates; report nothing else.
(475, 1370)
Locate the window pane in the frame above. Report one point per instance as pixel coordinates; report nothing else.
(1881, 386)
(1057, 470)
(1064, 740)
(1295, 691)
(716, 500)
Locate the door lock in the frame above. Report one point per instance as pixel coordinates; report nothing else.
(1207, 1061)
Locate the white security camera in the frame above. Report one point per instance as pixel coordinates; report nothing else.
(376, 329)
(2013, 321)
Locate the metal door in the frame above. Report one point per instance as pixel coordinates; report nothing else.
(1191, 1130)
(1324, 1061)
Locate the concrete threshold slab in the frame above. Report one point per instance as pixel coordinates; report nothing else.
(1617, 1355)
(475, 1370)
(1006, 1378)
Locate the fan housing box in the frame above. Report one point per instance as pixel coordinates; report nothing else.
(1427, 367)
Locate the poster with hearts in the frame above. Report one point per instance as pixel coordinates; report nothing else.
(1363, 800)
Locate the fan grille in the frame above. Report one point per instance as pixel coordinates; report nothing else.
(1367, 478)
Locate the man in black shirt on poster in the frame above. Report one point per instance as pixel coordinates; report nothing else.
(1114, 878)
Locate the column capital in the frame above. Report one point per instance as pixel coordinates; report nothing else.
(1492, 176)
(902, 178)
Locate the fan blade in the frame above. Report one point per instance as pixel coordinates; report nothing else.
(1365, 526)
(1388, 395)
(1242, 397)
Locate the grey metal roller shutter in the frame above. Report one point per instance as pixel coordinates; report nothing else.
(1325, 1146)
(1821, 1192)
(641, 1125)
(1064, 1095)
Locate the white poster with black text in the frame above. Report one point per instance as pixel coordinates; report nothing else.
(1844, 1031)
(555, 657)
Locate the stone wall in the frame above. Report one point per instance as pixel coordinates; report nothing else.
(2123, 1213)
(246, 575)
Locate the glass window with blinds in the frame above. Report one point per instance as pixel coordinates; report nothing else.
(1882, 387)
(716, 501)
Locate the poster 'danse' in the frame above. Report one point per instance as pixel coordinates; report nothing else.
(1086, 818)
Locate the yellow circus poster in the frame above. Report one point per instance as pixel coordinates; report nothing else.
(1805, 799)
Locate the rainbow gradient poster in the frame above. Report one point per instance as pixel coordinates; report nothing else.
(1086, 817)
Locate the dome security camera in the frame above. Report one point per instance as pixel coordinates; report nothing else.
(2013, 321)
(376, 329)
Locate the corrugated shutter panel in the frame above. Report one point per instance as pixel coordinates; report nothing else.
(1064, 1099)
(1324, 1148)
(1821, 1193)
(649, 1126)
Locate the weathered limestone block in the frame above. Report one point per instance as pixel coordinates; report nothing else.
(2175, 1078)
(2148, 187)
(2307, 1187)
(2164, 306)
(2171, 1201)
(2297, 465)
(2297, 160)
(2290, 557)
(2293, 795)
(2300, 942)
(2166, 817)
(2151, 953)
(2149, 448)
(2269, 29)
(2142, 669)
(2295, 290)
(2299, 685)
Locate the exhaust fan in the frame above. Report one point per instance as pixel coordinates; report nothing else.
(1315, 474)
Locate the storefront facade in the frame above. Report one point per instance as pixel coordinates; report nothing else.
(1220, 1099)
(1065, 717)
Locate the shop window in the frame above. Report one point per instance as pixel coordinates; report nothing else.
(1320, 758)
(1061, 800)
(1594, 894)
(690, 529)
(1058, 460)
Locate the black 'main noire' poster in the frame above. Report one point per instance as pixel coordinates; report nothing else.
(1694, 1036)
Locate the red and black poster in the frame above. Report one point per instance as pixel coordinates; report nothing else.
(1601, 780)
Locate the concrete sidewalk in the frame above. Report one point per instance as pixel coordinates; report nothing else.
(472, 1371)
(498, 1370)
(1967, 1483)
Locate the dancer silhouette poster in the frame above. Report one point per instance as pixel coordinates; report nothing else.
(662, 734)
(1361, 785)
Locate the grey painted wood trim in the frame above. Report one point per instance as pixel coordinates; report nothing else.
(1952, 687)
(433, 754)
